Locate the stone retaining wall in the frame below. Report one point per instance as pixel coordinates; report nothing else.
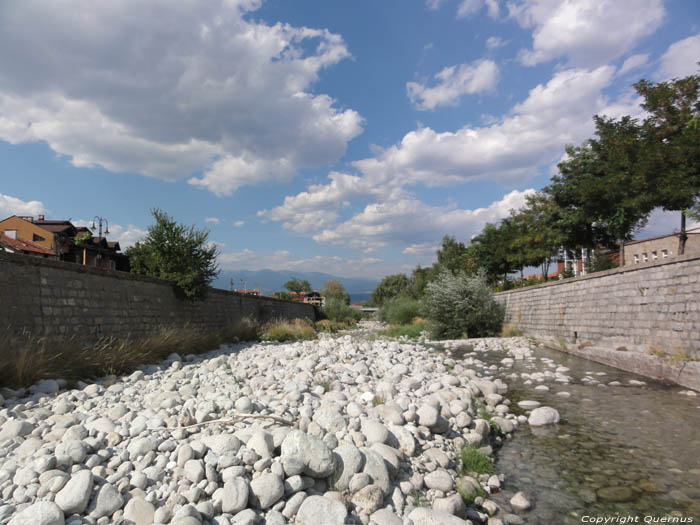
(649, 308)
(57, 300)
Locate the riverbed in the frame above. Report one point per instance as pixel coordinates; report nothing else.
(625, 446)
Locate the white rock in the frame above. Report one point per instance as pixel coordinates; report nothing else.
(265, 491)
(425, 516)
(543, 416)
(40, 513)
(139, 511)
(519, 502)
(75, 495)
(317, 510)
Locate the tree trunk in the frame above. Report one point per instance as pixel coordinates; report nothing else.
(521, 277)
(683, 236)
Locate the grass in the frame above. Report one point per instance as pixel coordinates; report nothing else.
(656, 349)
(325, 384)
(483, 413)
(400, 311)
(332, 327)
(282, 330)
(411, 331)
(34, 358)
(471, 459)
(419, 499)
(510, 330)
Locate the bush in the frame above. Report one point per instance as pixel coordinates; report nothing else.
(282, 330)
(336, 310)
(400, 310)
(459, 306)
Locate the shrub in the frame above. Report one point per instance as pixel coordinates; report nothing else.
(460, 306)
(412, 331)
(400, 310)
(510, 330)
(471, 459)
(336, 310)
(282, 330)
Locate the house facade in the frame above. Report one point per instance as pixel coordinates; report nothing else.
(660, 248)
(62, 240)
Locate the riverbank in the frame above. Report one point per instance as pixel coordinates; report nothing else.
(347, 429)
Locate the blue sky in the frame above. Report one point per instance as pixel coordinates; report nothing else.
(343, 137)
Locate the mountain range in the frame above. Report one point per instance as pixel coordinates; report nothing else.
(268, 281)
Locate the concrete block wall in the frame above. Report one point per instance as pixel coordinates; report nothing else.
(57, 300)
(645, 307)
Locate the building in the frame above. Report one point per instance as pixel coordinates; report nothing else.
(314, 298)
(11, 245)
(660, 248)
(60, 239)
(248, 291)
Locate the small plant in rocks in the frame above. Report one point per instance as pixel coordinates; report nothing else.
(468, 496)
(419, 499)
(471, 459)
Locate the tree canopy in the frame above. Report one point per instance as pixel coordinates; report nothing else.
(298, 285)
(334, 289)
(176, 253)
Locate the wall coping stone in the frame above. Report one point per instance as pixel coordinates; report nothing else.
(605, 273)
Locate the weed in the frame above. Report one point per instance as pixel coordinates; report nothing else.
(656, 349)
(562, 344)
(679, 356)
(585, 345)
(510, 330)
(32, 358)
(411, 331)
(378, 400)
(283, 330)
(326, 384)
(419, 499)
(471, 459)
(471, 492)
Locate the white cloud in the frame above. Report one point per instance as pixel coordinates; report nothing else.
(681, 59)
(247, 259)
(422, 249)
(533, 134)
(433, 4)
(495, 42)
(634, 62)
(470, 7)
(213, 220)
(452, 83)
(171, 89)
(587, 32)
(238, 224)
(411, 222)
(14, 206)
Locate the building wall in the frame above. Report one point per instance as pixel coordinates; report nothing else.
(26, 231)
(668, 243)
(57, 300)
(644, 308)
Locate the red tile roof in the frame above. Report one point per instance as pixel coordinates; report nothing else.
(24, 246)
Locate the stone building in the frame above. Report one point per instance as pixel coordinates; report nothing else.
(660, 248)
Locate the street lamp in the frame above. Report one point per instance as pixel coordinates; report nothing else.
(100, 220)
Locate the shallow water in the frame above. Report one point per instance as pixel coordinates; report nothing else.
(638, 446)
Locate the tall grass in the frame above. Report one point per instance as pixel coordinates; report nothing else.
(411, 331)
(282, 330)
(34, 358)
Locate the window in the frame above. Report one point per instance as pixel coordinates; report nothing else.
(636, 259)
(37, 238)
(654, 256)
(645, 257)
(12, 234)
(664, 253)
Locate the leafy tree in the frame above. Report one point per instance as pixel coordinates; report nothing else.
(455, 257)
(389, 287)
(298, 285)
(490, 248)
(335, 290)
(176, 253)
(672, 135)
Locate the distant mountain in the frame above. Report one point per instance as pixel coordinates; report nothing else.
(269, 281)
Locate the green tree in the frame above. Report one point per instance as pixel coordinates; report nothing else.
(389, 287)
(335, 290)
(490, 248)
(455, 257)
(176, 253)
(672, 135)
(298, 285)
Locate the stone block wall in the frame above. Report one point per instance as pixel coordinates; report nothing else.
(58, 300)
(646, 308)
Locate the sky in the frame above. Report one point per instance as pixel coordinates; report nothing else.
(342, 137)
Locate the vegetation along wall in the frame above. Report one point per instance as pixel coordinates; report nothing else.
(58, 300)
(650, 309)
